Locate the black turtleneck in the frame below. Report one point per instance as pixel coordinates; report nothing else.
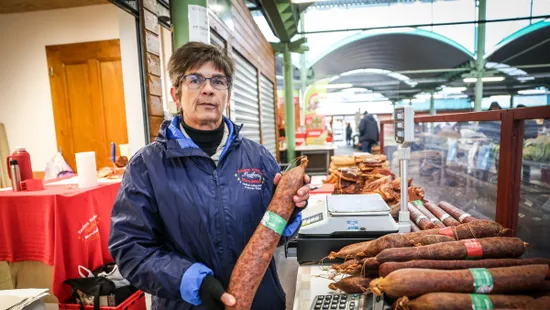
(207, 140)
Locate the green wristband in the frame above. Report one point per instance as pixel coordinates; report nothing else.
(481, 302)
(483, 280)
(274, 222)
(418, 203)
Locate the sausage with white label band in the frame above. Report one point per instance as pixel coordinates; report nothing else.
(458, 214)
(420, 219)
(420, 206)
(443, 216)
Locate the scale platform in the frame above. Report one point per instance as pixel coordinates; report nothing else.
(346, 219)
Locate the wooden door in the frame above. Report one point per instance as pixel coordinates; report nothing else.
(87, 98)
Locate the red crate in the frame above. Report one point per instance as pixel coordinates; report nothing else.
(135, 302)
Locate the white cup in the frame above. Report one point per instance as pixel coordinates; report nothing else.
(124, 150)
(86, 168)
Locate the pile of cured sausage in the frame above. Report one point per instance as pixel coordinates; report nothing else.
(465, 266)
(426, 215)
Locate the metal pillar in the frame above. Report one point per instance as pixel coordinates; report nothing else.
(480, 54)
(180, 19)
(289, 105)
(432, 104)
(511, 101)
(303, 73)
(547, 99)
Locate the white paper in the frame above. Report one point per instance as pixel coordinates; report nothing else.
(199, 28)
(86, 168)
(20, 298)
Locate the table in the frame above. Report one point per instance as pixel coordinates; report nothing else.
(62, 226)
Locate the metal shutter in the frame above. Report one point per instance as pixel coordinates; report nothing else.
(268, 116)
(245, 98)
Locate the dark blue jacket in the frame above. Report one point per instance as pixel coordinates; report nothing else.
(179, 217)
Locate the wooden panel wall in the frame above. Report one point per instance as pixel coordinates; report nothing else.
(151, 47)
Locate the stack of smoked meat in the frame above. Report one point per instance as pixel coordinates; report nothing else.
(369, 174)
(468, 264)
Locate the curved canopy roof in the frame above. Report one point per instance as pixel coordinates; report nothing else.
(392, 52)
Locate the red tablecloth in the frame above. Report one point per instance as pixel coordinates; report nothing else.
(62, 226)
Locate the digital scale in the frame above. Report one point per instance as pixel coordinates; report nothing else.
(348, 219)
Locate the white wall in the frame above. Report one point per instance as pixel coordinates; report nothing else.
(130, 76)
(25, 98)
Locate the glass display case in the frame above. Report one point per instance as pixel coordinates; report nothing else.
(494, 165)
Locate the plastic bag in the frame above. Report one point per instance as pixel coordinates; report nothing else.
(56, 166)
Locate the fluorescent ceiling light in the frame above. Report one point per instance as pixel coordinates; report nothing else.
(500, 97)
(532, 92)
(485, 79)
(423, 96)
(525, 78)
(452, 90)
(307, 1)
(458, 96)
(335, 86)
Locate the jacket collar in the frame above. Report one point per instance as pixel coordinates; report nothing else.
(178, 145)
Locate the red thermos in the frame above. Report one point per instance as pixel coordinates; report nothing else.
(24, 160)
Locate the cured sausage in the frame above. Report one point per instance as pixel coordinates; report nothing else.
(256, 256)
(457, 301)
(497, 247)
(458, 214)
(420, 206)
(415, 282)
(388, 241)
(441, 215)
(420, 219)
(349, 250)
(351, 285)
(431, 239)
(386, 268)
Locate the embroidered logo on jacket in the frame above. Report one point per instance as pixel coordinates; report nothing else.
(250, 178)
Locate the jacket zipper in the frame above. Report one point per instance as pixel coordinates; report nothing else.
(221, 216)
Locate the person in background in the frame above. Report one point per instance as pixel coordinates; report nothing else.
(190, 201)
(368, 132)
(546, 127)
(530, 131)
(349, 131)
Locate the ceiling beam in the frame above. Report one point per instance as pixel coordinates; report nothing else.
(282, 17)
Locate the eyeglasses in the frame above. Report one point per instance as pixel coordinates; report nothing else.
(195, 81)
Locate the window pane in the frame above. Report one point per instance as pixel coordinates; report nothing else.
(534, 201)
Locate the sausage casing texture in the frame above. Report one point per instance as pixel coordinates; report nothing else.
(415, 282)
(420, 219)
(458, 214)
(420, 206)
(414, 227)
(351, 285)
(386, 268)
(256, 256)
(349, 250)
(388, 241)
(431, 239)
(496, 247)
(458, 301)
(443, 216)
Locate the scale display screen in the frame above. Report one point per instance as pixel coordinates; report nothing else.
(404, 124)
